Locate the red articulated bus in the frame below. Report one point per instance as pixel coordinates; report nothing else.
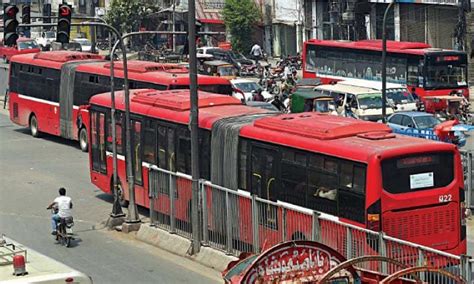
(48, 89)
(431, 71)
(358, 171)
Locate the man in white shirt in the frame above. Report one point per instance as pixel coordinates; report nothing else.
(256, 52)
(62, 207)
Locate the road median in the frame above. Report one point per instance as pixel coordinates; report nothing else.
(181, 246)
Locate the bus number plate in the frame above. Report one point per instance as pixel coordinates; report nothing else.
(445, 198)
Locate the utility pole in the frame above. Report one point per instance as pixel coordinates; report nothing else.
(384, 62)
(193, 121)
(174, 25)
(461, 27)
(47, 11)
(93, 29)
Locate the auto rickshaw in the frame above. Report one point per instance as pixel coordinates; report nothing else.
(219, 68)
(448, 107)
(303, 100)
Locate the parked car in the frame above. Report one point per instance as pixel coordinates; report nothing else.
(243, 89)
(23, 45)
(237, 59)
(86, 44)
(218, 68)
(358, 102)
(45, 40)
(425, 125)
(398, 96)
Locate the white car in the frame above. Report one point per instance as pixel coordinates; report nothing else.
(243, 89)
(86, 45)
(45, 40)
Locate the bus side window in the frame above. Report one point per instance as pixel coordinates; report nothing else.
(293, 177)
(205, 153)
(118, 133)
(149, 142)
(243, 149)
(183, 161)
(162, 136)
(136, 151)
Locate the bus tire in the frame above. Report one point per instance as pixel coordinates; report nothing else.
(121, 195)
(34, 126)
(83, 140)
(298, 236)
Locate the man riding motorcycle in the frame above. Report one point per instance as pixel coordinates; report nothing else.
(62, 206)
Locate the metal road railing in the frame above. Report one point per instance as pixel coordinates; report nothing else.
(235, 221)
(467, 162)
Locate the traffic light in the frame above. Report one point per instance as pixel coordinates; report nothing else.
(64, 23)
(26, 14)
(10, 24)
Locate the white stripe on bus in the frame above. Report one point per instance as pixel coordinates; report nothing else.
(38, 100)
(43, 101)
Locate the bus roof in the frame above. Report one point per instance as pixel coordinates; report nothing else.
(338, 136)
(416, 48)
(151, 72)
(376, 85)
(174, 105)
(345, 88)
(54, 59)
(355, 139)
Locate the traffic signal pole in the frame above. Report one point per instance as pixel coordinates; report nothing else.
(116, 208)
(193, 123)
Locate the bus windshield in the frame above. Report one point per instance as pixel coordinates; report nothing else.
(417, 172)
(445, 77)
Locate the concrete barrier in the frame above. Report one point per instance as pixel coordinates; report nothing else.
(181, 246)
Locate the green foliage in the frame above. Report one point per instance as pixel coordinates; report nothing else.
(127, 15)
(240, 17)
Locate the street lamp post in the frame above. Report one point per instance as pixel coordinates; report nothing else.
(384, 63)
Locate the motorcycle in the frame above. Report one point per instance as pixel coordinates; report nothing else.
(64, 233)
(251, 70)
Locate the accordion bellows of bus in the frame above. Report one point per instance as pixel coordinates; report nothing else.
(356, 170)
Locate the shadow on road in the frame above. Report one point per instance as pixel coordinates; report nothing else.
(51, 138)
(109, 198)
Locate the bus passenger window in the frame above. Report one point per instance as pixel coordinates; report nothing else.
(162, 147)
(346, 174)
(137, 161)
(149, 144)
(243, 164)
(184, 151)
(118, 133)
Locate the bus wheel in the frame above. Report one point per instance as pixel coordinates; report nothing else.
(34, 126)
(83, 140)
(121, 195)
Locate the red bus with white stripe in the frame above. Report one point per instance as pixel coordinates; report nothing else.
(357, 171)
(48, 89)
(431, 71)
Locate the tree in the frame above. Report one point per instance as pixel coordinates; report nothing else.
(240, 16)
(128, 15)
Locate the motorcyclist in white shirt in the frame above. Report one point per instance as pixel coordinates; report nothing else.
(62, 206)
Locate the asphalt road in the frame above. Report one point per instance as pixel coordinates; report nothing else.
(32, 170)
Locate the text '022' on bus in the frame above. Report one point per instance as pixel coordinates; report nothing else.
(358, 171)
(431, 71)
(47, 89)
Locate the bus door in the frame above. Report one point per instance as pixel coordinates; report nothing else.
(98, 151)
(265, 184)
